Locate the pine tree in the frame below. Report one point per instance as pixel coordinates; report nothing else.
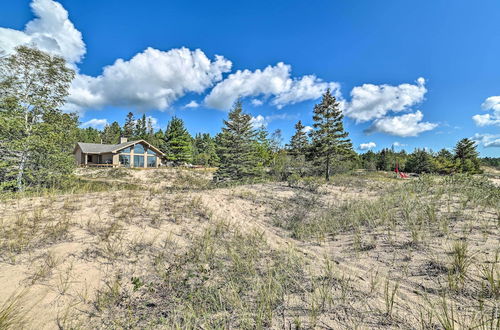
(140, 128)
(204, 150)
(178, 142)
(329, 140)
(111, 133)
(263, 147)
(466, 157)
(236, 144)
(299, 142)
(129, 126)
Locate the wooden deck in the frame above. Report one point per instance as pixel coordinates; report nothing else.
(99, 165)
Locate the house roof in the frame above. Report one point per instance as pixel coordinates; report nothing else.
(98, 148)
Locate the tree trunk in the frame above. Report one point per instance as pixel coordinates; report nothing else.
(327, 174)
(20, 174)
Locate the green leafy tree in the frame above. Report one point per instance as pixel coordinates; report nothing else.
(178, 142)
(466, 157)
(420, 161)
(329, 139)
(236, 144)
(33, 86)
(444, 163)
(89, 135)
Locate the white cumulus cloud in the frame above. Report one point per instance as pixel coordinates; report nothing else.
(398, 144)
(370, 101)
(152, 79)
(273, 82)
(95, 123)
(405, 125)
(490, 104)
(50, 31)
(367, 146)
(192, 104)
(487, 140)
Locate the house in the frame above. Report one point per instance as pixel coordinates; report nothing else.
(127, 154)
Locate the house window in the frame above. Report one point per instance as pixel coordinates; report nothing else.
(151, 152)
(139, 149)
(151, 161)
(138, 161)
(125, 160)
(126, 151)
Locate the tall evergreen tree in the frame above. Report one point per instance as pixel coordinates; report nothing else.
(299, 142)
(33, 87)
(111, 133)
(178, 142)
(140, 128)
(329, 140)
(129, 126)
(204, 150)
(236, 145)
(466, 157)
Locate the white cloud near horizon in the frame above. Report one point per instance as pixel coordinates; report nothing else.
(487, 140)
(367, 146)
(274, 82)
(95, 123)
(492, 104)
(50, 30)
(370, 101)
(405, 125)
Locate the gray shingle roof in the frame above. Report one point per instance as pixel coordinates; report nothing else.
(97, 148)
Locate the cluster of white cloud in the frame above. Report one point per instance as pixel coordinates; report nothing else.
(273, 82)
(487, 140)
(50, 31)
(491, 104)
(405, 125)
(374, 102)
(367, 146)
(152, 79)
(370, 101)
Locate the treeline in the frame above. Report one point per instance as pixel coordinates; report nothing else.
(463, 159)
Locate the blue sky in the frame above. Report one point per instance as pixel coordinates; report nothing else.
(415, 73)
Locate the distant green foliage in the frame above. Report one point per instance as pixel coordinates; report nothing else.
(236, 144)
(204, 150)
(178, 142)
(463, 159)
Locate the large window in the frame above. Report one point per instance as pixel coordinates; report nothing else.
(138, 161)
(125, 160)
(139, 149)
(151, 161)
(126, 151)
(151, 152)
